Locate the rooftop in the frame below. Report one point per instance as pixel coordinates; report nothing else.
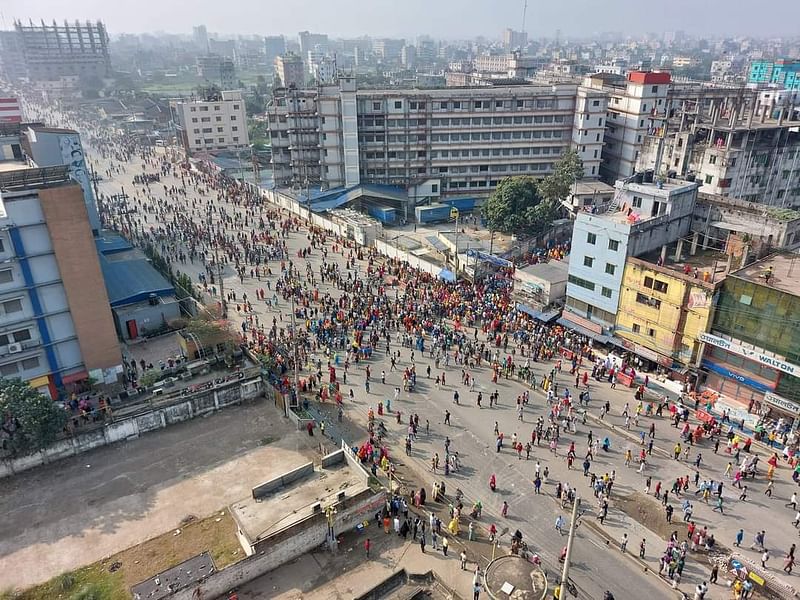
(293, 502)
(708, 260)
(552, 270)
(130, 278)
(783, 269)
(7, 166)
(585, 188)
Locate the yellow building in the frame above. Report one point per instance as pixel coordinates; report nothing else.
(664, 309)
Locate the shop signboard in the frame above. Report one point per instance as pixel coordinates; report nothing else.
(760, 357)
(728, 373)
(783, 403)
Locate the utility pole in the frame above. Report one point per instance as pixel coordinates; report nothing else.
(294, 349)
(570, 543)
(221, 286)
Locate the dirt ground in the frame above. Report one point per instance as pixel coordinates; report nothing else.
(113, 577)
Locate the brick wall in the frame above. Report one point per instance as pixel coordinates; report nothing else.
(76, 255)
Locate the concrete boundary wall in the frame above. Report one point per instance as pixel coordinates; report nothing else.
(334, 458)
(284, 546)
(177, 410)
(414, 261)
(276, 483)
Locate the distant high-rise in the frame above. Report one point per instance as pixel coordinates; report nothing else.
(514, 39)
(289, 69)
(200, 37)
(308, 41)
(51, 52)
(274, 46)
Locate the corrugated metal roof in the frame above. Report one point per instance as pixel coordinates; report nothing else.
(133, 280)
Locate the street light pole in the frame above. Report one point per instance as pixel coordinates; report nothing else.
(570, 543)
(458, 217)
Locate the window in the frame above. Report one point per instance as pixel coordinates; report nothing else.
(6, 276)
(613, 245)
(203, 109)
(217, 107)
(591, 238)
(712, 160)
(234, 128)
(660, 286)
(596, 103)
(376, 106)
(2, 245)
(648, 301)
(194, 119)
(651, 332)
(588, 261)
(30, 363)
(610, 269)
(12, 306)
(220, 129)
(648, 282)
(435, 188)
(218, 119)
(654, 89)
(581, 282)
(205, 119)
(636, 328)
(606, 292)
(23, 335)
(637, 202)
(233, 117)
(9, 369)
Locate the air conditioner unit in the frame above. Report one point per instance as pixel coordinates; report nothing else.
(14, 348)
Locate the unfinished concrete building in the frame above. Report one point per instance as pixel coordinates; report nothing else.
(735, 142)
(51, 52)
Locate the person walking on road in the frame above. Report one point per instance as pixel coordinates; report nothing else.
(559, 524)
(367, 545)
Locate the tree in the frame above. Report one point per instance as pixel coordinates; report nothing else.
(569, 169)
(30, 421)
(512, 204)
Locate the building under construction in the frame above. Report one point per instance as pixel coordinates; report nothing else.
(53, 52)
(736, 142)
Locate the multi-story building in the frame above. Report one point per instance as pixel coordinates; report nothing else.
(513, 40)
(453, 141)
(51, 52)
(642, 217)
(309, 40)
(408, 57)
(751, 356)
(492, 63)
(274, 46)
(631, 103)
(782, 73)
(12, 60)
(200, 38)
(56, 326)
(388, 50)
(289, 70)
(666, 304)
(214, 123)
(324, 71)
(736, 142)
(10, 110)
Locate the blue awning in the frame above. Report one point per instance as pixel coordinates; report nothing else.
(447, 275)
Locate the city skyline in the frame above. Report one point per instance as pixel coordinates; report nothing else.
(350, 18)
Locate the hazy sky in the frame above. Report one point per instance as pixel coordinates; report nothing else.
(406, 18)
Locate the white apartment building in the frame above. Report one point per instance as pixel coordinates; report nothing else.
(492, 63)
(289, 69)
(450, 142)
(633, 104)
(643, 216)
(212, 124)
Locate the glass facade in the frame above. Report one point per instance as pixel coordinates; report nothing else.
(759, 315)
(767, 318)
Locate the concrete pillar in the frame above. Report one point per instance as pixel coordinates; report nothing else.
(745, 252)
(695, 240)
(703, 243)
(734, 116)
(663, 254)
(678, 250)
(730, 262)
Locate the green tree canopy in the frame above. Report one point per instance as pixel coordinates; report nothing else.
(507, 208)
(566, 172)
(30, 421)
